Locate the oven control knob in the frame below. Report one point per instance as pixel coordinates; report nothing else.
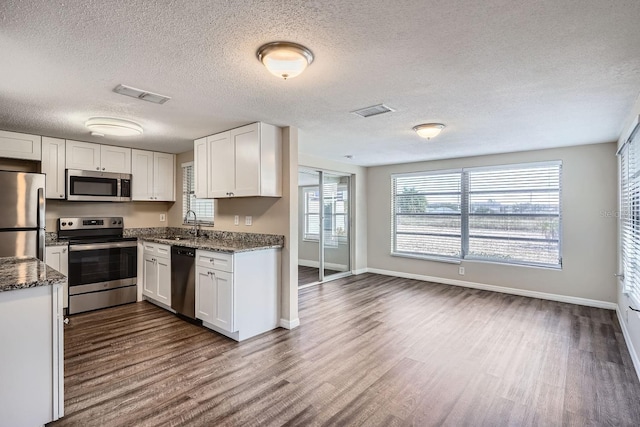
(114, 222)
(70, 223)
(119, 222)
(64, 223)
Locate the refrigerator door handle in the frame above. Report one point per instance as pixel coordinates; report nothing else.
(41, 223)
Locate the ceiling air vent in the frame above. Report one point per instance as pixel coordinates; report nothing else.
(141, 94)
(374, 110)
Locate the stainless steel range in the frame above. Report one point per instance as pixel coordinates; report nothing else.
(102, 263)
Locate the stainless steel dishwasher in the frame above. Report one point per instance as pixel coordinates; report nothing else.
(183, 281)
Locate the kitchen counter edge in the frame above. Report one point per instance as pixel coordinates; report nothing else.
(23, 273)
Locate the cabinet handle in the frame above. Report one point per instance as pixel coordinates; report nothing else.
(97, 169)
(62, 196)
(102, 168)
(231, 194)
(64, 250)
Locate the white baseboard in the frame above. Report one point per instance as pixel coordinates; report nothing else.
(289, 324)
(501, 289)
(627, 340)
(308, 263)
(360, 271)
(316, 264)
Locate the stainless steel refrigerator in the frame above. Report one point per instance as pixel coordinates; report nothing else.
(22, 221)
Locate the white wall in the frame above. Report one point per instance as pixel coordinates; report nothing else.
(358, 206)
(629, 320)
(588, 236)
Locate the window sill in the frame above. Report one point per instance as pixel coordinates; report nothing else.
(203, 223)
(428, 258)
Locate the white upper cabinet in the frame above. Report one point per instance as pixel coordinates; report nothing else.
(200, 167)
(221, 167)
(115, 159)
(98, 157)
(83, 155)
(20, 146)
(242, 162)
(53, 166)
(153, 176)
(164, 171)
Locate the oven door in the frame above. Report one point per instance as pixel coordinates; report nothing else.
(93, 186)
(101, 266)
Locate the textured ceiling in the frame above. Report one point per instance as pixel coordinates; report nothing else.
(503, 75)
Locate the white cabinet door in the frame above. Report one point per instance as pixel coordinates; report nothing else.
(141, 175)
(204, 294)
(115, 159)
(53, 166)
(164, 167)
(163, 294)
(150, 276)
(83, 155)
(57, 257)
(20, 146)
(246, 147)
(223, 300)
(221, 166)
(200, 168)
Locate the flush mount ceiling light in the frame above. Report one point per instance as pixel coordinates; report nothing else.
(112, 126)
(285, 59)
(429, 130)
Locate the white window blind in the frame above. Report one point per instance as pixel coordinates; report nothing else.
(506, 214)
(202, 207)
(630, 216)
(514, 214)
(427, 214)
(311, 213)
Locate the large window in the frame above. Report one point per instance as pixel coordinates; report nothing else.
(507, 214)
(202, 207)
(630, 216)
(335, 211)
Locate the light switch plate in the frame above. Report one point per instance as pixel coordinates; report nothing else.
(163, 217)
(248, 220)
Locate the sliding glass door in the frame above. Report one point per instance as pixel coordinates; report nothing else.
(324, 247)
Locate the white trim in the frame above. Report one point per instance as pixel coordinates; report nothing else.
(493, 288)
(360, 271)
(289, 324)
(627, 340)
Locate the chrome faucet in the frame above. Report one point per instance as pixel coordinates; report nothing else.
(195, 222)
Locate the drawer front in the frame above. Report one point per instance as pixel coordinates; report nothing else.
(216, 260)
(157, 249)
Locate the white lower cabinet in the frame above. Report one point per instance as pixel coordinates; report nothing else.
(57, 257)
(237, 294)
(31, 356)
(156, 272)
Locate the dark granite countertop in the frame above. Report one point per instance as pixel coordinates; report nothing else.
(21, 273)
(51, 239)
(213, 244)
(210, 240)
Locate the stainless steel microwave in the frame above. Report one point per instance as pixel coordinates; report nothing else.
(98, 186)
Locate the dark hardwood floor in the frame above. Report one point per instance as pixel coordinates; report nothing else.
(307, 275)
(371, 350)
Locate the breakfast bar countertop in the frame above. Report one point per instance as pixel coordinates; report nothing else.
(21, 273)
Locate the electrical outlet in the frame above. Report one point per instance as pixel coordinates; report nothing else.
(248, 220)
(461, 271)
(163, 217)
(236, 220)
